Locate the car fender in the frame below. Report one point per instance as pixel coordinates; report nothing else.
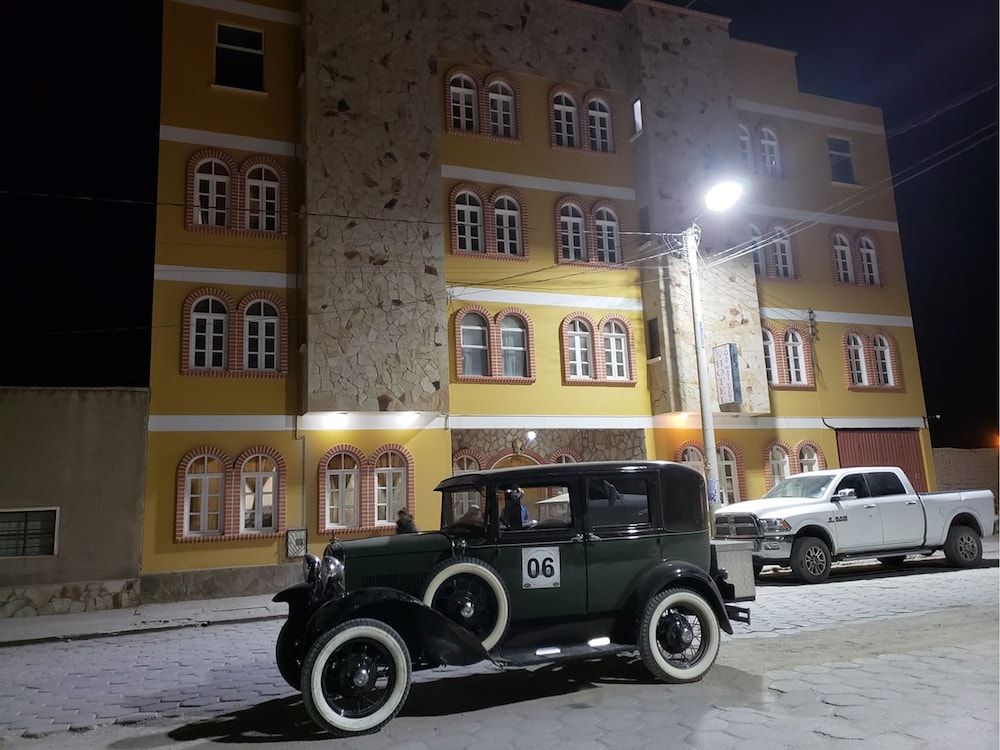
(663, 574)
(297, 598)
(430, 636)
(820, 528)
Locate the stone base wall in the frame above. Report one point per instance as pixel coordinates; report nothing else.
(217, 583)
(62, 598)
(583, 445)
(968, 469)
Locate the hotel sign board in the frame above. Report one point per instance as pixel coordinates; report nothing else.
(727, 374)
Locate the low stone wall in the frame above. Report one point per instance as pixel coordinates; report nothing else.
(61, 598)
(216, 583)
(968, 469)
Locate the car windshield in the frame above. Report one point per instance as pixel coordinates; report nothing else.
(463, 509)
(801, 487)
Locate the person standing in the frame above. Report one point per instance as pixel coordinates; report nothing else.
(405, 523)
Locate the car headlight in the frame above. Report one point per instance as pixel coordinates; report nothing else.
(310, 566)
(774, 525)
(331, 576)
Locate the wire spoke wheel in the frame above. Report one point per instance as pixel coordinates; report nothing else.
(679, 635)
(468, 600)
(359, 678)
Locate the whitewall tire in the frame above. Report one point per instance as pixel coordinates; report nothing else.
(679, 636)
(470, 593)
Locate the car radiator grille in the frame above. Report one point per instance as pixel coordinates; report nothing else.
(736, 525)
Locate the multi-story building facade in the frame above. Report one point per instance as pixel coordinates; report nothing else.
(395, 242)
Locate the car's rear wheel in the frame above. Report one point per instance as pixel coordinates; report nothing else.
(284, 654)
(810, 559)
(678, 636)
(356, 677)
(470, 593)
(963, 548)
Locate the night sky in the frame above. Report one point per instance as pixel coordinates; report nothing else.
(81, 109)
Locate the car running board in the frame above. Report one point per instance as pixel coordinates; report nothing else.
(926, 551)
(550, 654)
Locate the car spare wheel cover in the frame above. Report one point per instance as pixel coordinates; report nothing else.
(489, 577)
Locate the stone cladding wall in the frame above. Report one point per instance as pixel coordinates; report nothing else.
(582, 445)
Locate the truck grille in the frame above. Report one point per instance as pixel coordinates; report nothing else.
(734, 526)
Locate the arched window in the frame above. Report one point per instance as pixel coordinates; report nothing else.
(770, 157)
(564, 458)
(571, 244)
(262, 199)
(778, 459)
(211, 187)
(503, 120)
(759, 266)
(606, 223)
(808, 458)
(469, 223)
(884, 375)
(869, 262)
(390, 486)
(615, 351)
(599, 125)
(580, 349)
(842, 258)
(795, 353)
(343, 491)
(208, 334)
(474, 344)
(784, 267)
(856, 365)
(462, 502)
(464, 111)
(564, 121)
(694, 458)
(746, 150)
(260, 337)
(204, 487)
(465, 465)
(508, 225)
(770, 368)
(259, 493)
(514, 346)
(729, 478)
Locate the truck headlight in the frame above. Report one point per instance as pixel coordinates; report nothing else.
(310, 566)
(774, 525)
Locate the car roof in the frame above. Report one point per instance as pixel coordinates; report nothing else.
(555, 471)
(831, 472)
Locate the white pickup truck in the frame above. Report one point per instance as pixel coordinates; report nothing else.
(810, 520)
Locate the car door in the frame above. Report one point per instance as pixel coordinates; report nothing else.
(902, 514)
(855, 520)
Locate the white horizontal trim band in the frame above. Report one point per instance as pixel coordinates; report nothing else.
(827, 316)
(814, 117)
(507, 296)
(224, 276)
(839, 220)
(226, 140)
(531, 182)
(247, 9)
(747, 422)
(547, 422)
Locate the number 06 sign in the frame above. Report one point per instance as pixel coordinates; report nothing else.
(540, 567)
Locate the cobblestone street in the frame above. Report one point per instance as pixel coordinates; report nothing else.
(894, 660)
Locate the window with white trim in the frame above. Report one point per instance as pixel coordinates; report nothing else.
(211, 191)
(770, 370)
(259, 492)
(636, 117)
(507, 215)
(783, 266)
(514, 347)
(464, 110)
(778, 460)
(746, 149)
(469, 223)
(208, 335)
(343, 493)
(770, 156)
(564, 120)
(808, 458)
(475, 345)
(693, 458)
(729, 478)
(571, 244)
(842, 256)
(759, 266)
(564, 458)
(462, 502)
(608, 243)
(580, 349)
(29, 532)
(841, 161)
(615, 351)
(856, 365)
(599, 125)
(390, 486)
(262, 199)
(204, 487)
(503, 121)
(795, 353)
(239, 58)
(884, 375)
(260, 336)
(869, 261)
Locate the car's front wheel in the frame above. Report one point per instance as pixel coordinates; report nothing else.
(678, 636)
(810, 559)
(963, 548)
(356, 677)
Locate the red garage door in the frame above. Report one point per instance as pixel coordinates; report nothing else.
(884, 448)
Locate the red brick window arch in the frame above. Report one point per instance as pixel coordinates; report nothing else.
(508, 221)
(579, 351)
(777, 462)
(770, 152)
(261, 333)
(341, 488)
(565, 119)
(868, 272)
(607, 239)
(473, 343)
(843, 260)
(600, 133)
(468, 220)
(263, 194)
(770, 356)
(258, 505)
(391, 468)
(571, 232)
(503, 107)
(515, 353)
(795, 356)
(463, 101)
(618, 350)
(206, 346)
(210, 186)
(203, 477)
(563, 457)
(809, 457)
(783, 257)
(885, 361)
(856, 360)
(731, 479)
(692, 455)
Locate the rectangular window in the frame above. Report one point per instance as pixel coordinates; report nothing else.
(28, 533)
(653, 338)
(841, 162)
(239, 58)
(534, 507)
(637, 117)
(618, 501)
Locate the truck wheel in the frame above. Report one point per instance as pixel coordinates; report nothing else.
(284, 654)
(963, 547)
(810, 560)
(893, 562)
(470, 593)
(356, 677)
(678, 636)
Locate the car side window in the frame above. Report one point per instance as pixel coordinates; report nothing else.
(854, 482)
(528, 507)
(883, 483)
(618, 501)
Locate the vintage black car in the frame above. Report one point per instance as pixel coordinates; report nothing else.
(531, 565)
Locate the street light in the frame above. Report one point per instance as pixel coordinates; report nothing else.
(720, 197)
